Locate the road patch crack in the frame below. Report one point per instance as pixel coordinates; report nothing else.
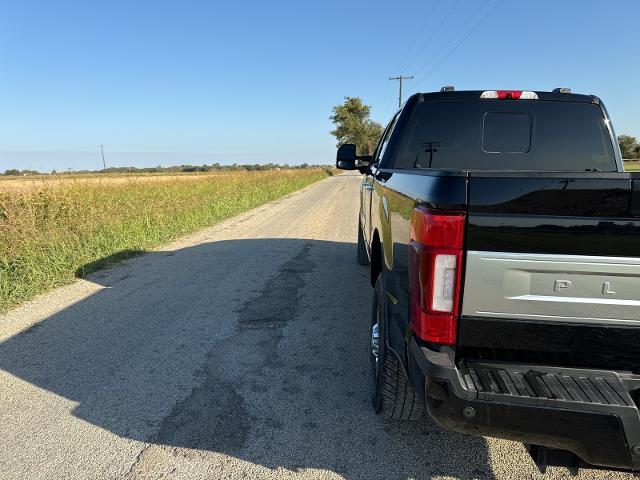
(215, 417)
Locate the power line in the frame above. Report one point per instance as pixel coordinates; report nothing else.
(433, 34)
(424, 24)
(385, 115)
(448, 42)
(383, 104)
(457, 45)
(401, 78)
(397, 68)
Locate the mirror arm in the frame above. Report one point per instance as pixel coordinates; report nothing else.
(364, 158)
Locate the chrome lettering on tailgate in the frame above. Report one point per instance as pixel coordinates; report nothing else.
(572, 288)
(606, 289)
(562, 284)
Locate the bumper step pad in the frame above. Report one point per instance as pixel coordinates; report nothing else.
(553, 385)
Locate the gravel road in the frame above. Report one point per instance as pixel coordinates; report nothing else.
(236, 353)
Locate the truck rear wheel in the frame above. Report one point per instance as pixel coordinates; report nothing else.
(363, 258)
(392, 394)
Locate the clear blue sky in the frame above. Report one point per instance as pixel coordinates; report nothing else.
(163, 82)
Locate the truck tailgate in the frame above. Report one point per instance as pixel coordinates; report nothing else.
(551, 250)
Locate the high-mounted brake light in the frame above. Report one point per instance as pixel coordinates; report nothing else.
(435, 263)
(510, 94)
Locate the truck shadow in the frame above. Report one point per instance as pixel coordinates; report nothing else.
(252, 348)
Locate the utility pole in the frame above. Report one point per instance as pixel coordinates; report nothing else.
(104, 164)
(401, 78)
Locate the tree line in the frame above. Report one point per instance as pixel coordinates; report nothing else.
(629, 147)
(174, 169)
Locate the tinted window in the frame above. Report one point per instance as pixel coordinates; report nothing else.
(506, 132)
(506, 135)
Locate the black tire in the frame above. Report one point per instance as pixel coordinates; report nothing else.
(363, 258)
(392, 394)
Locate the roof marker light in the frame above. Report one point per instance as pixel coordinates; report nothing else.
(489, 94)
(528, 96)
(510, 95)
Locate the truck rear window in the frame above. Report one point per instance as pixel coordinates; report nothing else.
(506, 135)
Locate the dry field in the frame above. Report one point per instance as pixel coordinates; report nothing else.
(11, 184)
(633, 166)
(55, 228)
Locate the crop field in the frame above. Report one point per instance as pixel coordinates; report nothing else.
(53, 229)
(632, 166)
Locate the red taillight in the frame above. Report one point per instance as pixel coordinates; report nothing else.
(435, 264)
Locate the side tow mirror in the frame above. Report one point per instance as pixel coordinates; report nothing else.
(346, 157)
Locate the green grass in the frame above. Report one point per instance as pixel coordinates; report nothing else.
(632, 166)
(52, 233)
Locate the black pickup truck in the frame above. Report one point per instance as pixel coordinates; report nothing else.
(503, 238)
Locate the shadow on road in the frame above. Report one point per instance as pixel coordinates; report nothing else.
(252, 348)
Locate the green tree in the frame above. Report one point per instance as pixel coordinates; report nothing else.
(628, 145)
(353, 125)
